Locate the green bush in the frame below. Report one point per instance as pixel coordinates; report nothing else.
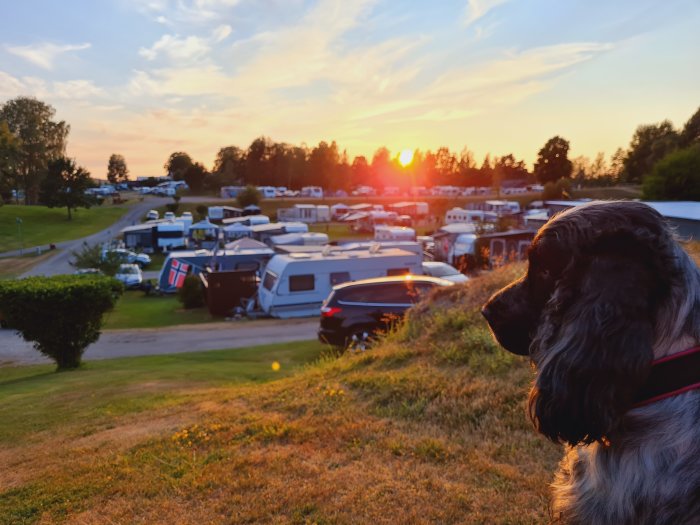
(90, 256)
(249, 195)
(61, 315)
(675, 177)
(172, 206)
(191, 295)
(202, 211)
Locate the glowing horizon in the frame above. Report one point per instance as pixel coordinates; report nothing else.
(146, 79)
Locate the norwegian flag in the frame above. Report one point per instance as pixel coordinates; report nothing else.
(178, 272)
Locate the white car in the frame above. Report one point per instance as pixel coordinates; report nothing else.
(130, 275)
(444, 271)
(127, 256)
(169, 216)
(152, 215)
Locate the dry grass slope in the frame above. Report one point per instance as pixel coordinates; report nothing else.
(427, 428)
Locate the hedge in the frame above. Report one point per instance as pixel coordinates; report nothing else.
(61, 315)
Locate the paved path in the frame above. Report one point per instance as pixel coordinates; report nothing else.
(172, 340)
(60, 263)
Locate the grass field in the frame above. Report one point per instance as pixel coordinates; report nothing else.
(136, 310)
(42, 226)
(428, 427)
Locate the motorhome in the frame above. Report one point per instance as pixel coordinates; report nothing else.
(394, 233)
(267, 192)
(309, 213)
(247, 220)
(414, 209)
(500, 207)
(457, 215)
(338, 211)
(471, 251)
(315, 192)
(295, 285)
(171, 235)
(218, 213)
(179, 265)
(230, 192)
(299, 239)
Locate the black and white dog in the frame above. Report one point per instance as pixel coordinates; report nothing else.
(609, 313)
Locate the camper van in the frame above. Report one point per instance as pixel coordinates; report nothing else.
(394, 233)
(296, 284)
(458, 215)
(171, 235)
(315, 192)
(267, 192)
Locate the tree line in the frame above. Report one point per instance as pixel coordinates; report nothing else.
(33, 162)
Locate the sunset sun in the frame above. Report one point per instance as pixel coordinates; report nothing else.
(405, 157)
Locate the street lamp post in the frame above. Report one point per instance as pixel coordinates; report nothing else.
(19, 233)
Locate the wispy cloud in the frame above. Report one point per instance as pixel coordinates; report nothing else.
(176, 48)
(44, 54)
(477, 9)
(79, 89)
(221, 32)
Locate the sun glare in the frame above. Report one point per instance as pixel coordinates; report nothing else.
(405, 157)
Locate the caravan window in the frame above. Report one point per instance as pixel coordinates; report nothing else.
(301, 283)
(397, 271)
(339, 277)
(269, 281)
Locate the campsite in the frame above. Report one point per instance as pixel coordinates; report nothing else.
(365, 262)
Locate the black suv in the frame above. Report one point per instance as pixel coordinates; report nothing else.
(357, 310)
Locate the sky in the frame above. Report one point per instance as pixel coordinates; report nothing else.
(145, 78)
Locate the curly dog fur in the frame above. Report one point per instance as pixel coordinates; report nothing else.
(608, 289)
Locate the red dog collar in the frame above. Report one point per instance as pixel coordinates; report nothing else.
(671, 375)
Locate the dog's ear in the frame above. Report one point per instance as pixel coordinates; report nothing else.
(596, 347)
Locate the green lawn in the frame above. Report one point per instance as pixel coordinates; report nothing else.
(42, 226)
(137, 310)
(35, 399)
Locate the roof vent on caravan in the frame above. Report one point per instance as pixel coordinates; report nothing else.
(327, 250)
(374, 247)
(300, 256)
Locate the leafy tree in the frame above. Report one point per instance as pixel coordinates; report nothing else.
(249, 195)
(62, 315)
(41, 140)
(9, 154)
(91, 256)
(195, 175)
(691, 131)
(650, 144)
(561, 189)
(257, 166)
(65, 185)
(177, 164)
(552, 161)
(323, 162)
(511, 169)
(361, 173)
(116, 169)
(675, 177)
(229, 168)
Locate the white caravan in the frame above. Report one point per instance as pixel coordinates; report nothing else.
(296, 284)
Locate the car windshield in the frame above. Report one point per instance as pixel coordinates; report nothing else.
(443, 270)
(129, 270)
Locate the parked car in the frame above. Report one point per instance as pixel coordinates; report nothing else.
(130, 275)
(127, 256)
(152, 215)
(444, 271)
(355, 312)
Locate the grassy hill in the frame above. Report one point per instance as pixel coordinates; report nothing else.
(42, 225)
(428, 427)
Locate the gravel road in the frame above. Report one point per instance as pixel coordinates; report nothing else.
(177, 339)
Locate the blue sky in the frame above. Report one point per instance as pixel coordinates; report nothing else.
(144, 78)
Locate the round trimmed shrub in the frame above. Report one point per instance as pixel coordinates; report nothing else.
(61, 315)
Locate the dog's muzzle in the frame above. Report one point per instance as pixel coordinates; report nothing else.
(510, 325)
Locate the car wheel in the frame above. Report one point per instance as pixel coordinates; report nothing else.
(360, 341)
